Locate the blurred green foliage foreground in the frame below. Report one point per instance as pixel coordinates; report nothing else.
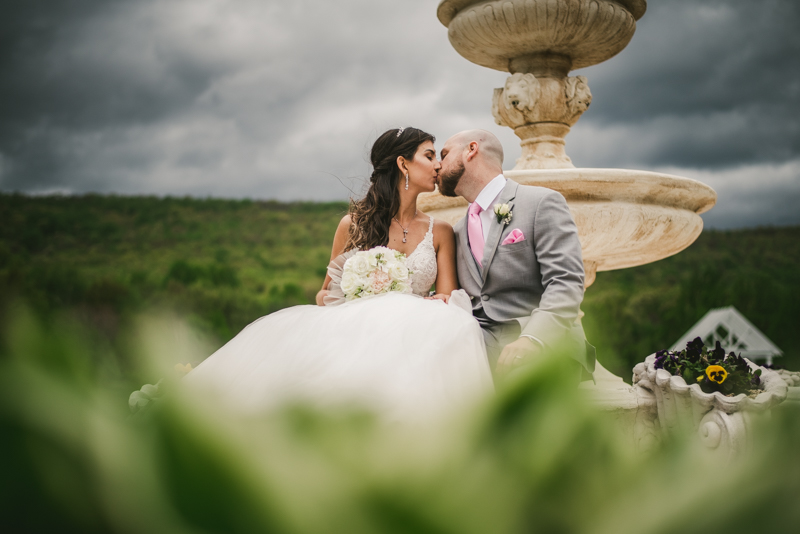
(224, 263)
(532, 459)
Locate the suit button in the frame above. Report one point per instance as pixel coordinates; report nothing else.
(484, 297)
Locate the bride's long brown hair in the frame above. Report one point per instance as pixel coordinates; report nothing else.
(372, 216)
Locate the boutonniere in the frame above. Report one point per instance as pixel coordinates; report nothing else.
(503, 213)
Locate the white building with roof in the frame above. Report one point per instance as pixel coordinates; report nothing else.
(734, 333)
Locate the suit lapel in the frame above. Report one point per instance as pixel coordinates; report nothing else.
(465, 251)
(493, 239)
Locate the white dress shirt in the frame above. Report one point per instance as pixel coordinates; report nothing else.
(486, 199)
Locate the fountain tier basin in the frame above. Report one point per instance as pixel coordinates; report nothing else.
(625, 218)
(509, 35)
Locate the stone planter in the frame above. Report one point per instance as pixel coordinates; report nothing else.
(722, 424)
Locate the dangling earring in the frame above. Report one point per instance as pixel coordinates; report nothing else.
(406, 181)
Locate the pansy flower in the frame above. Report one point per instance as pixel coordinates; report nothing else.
(716, 373)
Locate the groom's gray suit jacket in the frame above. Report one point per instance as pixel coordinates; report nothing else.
(537, 282)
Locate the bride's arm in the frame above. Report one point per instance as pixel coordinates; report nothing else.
(339, 242)
(444, 241)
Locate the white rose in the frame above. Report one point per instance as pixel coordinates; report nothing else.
(502, 209)
(359, 264)
(398, 271)
(350, 283)
(373, 259)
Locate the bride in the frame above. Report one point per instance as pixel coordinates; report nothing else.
(398, 354)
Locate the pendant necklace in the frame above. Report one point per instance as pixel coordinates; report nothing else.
(405, 230)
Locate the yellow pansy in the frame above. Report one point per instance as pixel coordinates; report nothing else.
(716, 373)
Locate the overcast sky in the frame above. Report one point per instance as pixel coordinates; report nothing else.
(282, 99)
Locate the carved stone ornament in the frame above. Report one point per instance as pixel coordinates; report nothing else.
(578, 96)
(541, 110)
(514, 104)
(526, 100)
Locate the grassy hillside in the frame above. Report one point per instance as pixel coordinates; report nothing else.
(223, 263)
(634, 312)
(220, 263)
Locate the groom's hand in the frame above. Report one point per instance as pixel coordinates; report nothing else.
(517, 353)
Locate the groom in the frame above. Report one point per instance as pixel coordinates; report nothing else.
(518, 257)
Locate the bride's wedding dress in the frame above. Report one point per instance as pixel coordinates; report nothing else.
(398, 354)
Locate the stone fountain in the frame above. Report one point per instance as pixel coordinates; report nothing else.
(625, 217)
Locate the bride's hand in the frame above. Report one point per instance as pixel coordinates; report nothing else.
(440, 296)
(320, 296)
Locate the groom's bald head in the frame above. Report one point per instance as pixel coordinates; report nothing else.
(470, 160)
(489, 145)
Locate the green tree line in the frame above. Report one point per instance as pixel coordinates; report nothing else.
(223, 263)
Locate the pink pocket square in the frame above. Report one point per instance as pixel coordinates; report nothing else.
(514, 237)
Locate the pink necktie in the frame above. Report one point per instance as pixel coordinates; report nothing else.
(475, 231)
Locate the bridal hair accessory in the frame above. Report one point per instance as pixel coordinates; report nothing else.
(503, 213)
(374, 272)
(400, 131)
(405, 230)
(406, 183)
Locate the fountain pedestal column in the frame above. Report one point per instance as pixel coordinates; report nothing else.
(541, 110)
(625, 217)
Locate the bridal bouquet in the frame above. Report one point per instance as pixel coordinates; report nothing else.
(375, 271)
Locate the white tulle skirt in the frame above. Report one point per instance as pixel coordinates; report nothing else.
(399, 355)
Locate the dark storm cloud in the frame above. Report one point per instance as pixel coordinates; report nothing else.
(73, 64)
(718, 79)
(210, 97)
(76, 71)
(750, 195)
(277, 99)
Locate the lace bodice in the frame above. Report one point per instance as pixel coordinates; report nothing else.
(422, 261)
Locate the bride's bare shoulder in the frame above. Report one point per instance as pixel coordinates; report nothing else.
(442, 230)
(341, 235)
(345, 223)
(440, 226)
